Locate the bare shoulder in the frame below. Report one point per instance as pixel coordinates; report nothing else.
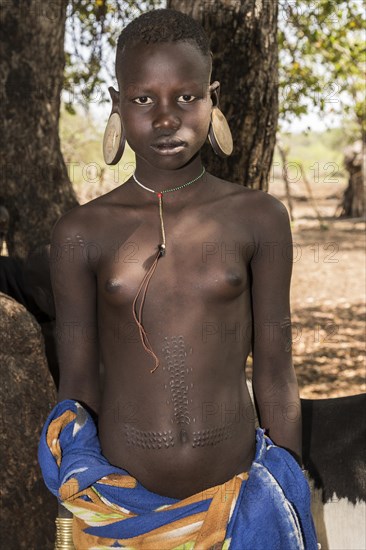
(268, 216)
(254, 202)
(74, 222)
(262, 217)
(266, 205)
(87, 219)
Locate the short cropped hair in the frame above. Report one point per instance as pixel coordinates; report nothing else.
(163, 25)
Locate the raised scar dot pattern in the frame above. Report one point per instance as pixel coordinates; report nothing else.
(149, 439)
(211, 436)
(175, 357)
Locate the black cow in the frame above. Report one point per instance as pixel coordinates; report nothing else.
(334, 453)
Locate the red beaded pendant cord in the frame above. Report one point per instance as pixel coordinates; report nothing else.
(146, 280)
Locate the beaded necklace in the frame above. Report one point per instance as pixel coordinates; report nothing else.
(162, 246)
(161, 252)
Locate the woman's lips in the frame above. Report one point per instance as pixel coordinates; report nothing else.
(168, 147)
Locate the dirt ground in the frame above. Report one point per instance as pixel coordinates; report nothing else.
(327, 294)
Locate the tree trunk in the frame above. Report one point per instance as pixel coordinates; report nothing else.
(354, 202)
(27, 395)
(35, 186)
(244, 44)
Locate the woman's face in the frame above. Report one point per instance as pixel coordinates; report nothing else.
(165, 102)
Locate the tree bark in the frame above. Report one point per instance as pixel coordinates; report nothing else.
(27, 395)
(35, 186)
(354, 198)
(244, 44)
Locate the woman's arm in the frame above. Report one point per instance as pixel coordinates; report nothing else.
(74, 289)
(274, 380)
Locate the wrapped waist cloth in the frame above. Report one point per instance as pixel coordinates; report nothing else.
(267, 508)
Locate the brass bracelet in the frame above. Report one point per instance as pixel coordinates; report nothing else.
(64, 539)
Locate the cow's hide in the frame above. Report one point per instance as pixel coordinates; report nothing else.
(334, 445)
(334, 453)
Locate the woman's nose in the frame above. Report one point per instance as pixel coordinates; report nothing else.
(166, 118)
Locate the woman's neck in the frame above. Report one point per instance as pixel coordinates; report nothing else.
(161, 179)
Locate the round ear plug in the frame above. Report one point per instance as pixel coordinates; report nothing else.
(219, 134)
(114, 140)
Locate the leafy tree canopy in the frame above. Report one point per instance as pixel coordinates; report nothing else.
(92, 30)
(322, 59)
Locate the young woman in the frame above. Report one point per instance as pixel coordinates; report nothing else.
(169, 281)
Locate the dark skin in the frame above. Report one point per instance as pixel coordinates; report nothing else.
(221, 290)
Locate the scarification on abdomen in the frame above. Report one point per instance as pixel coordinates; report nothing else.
(174, 352)
(149, 439)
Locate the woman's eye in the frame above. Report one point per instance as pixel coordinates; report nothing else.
(186, 98)
(143, 100)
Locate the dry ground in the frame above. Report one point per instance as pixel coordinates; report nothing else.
(327, 295)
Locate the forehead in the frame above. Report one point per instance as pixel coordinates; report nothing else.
(164, 62)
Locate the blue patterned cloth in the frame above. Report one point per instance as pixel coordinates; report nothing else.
(267, 508)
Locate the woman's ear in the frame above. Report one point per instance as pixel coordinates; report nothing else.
(219, 134)
(115, 99)
(215, 93)
(114, 139)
